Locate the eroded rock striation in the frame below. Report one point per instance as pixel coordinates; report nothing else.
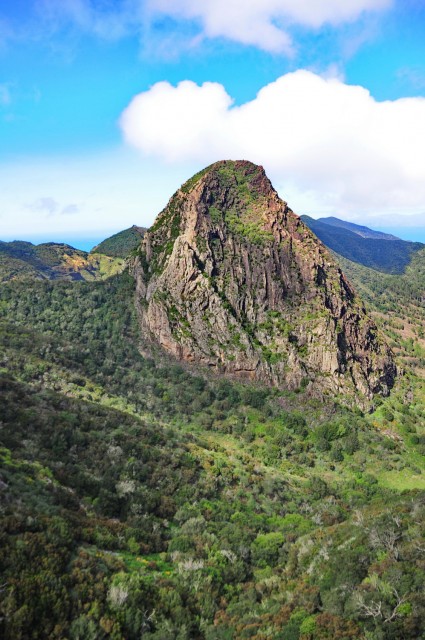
(229, 277)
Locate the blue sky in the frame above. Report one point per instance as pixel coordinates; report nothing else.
(106, 107)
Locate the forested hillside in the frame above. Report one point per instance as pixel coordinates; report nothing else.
(122, 243)
(142, 500)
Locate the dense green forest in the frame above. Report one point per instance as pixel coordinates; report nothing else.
(142, 500)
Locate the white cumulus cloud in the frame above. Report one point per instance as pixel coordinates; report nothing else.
(150, 120)
(330, 143)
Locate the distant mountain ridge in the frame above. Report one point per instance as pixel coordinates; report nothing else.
(53, 261)
(59, 261)
(360, 230)
(374, 249)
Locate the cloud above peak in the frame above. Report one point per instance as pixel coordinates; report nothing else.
(322, 137)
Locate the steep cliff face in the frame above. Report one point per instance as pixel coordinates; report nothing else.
(231, 278)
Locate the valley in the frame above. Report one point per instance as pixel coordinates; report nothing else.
(146, 495)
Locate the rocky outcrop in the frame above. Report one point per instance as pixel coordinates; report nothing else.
(229, 277)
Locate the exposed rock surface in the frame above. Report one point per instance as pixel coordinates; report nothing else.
(229, 277)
